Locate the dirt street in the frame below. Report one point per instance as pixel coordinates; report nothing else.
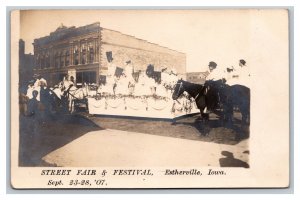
(113, 141)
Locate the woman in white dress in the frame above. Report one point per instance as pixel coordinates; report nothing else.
(144, 85)
(107, 88)
(160, 90)
(122, 85)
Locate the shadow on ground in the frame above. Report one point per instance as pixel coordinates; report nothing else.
(40, 136)
(185, 128)
(230, 161)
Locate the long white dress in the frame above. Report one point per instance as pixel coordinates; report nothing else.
(128, 70)
(111, 69)
(108, 87)
(161, 90)
(144, 86)
(122, 86)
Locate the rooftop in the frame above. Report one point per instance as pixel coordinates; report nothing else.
(63, 32)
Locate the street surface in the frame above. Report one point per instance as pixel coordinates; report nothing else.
(95, 141)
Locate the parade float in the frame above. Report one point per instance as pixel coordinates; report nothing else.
(146, 106)
(145, 99)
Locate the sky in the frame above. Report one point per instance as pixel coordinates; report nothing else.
(223, 36)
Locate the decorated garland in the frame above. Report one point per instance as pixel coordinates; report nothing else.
(135, 105)
(96, 103)
(158, 104)
(114, 103)
(184, 104)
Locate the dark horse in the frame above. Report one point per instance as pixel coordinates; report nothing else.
(50, 101)
(228, 97)
(196, 91)
(217, 95)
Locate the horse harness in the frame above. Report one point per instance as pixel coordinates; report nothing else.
(180, 86)
(196, 97)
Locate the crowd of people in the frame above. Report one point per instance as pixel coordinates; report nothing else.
(129, 82)
(231, 76)
(33, 93)
(137, 83)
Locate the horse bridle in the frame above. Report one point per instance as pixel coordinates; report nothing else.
(180, 86)
(177, 93)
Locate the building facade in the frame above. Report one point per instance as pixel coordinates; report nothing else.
(26, 65)
(82, 52)
(73, 51)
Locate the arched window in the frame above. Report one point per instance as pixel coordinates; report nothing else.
(91, 53)
(67, 55)
(76, 55)
(43, 61)
(83, 54)
(96, 52)
(56, 58)
(62, 59)
(38, 62)
(47, 60)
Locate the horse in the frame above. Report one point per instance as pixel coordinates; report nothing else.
(196, 91)
(215, 95)
(51, 101)
(75, 95)
(227, 97)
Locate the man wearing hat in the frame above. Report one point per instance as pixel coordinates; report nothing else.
(243, 70)
(244, 73)
(240, 75)
(215, 73)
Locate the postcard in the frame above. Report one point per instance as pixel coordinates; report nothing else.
(150, 98)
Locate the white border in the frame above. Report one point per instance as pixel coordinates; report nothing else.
(172, 3)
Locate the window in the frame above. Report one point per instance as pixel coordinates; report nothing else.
(56, 58)
(76, 56)
(62, 59)
(83, 54)
(43, 62)
(47, 60)
(38, 62)
(83, 57)
(67, 55)
(87, 77)
(91, 55)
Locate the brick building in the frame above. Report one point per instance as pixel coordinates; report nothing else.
(81, 52)
(26, 64)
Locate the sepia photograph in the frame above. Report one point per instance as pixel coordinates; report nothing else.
(150, 98)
